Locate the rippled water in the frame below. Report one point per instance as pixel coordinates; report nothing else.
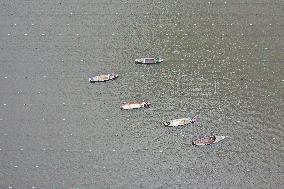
(223, 62)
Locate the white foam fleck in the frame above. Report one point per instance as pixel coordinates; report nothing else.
(250, 24)
(15, 24)
(181, 59)
(81, 60)
(0, 149)
(63, 119)
(1, 119)
(9, 34)
(5, 77)
(33, 24)
(16, 166)
(106, 119)
(36, 166)
(44, 76)
(25, 34)
(116, 13)
(161, 151)
(185, 34)
(5, 104)
(42, 34)
(10, 187)
(113, 150)
(71, 134)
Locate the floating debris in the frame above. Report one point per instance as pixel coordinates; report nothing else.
(180, 122)
(101, 78)
(207, 140)
(148, 60)
(134, 105)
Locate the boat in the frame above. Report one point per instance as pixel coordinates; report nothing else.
(207, 140)
(148, 60)
(180, 122)
(134, 105)
(101, 78)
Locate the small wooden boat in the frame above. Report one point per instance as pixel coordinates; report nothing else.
(180, 122)
(101, 78)
(207, 140)
(134, 105)
(148, 60)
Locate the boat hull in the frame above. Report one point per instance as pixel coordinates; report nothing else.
(134, 105)
(207, 140)
(148, 61)
(102, 78)
(180, 122)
